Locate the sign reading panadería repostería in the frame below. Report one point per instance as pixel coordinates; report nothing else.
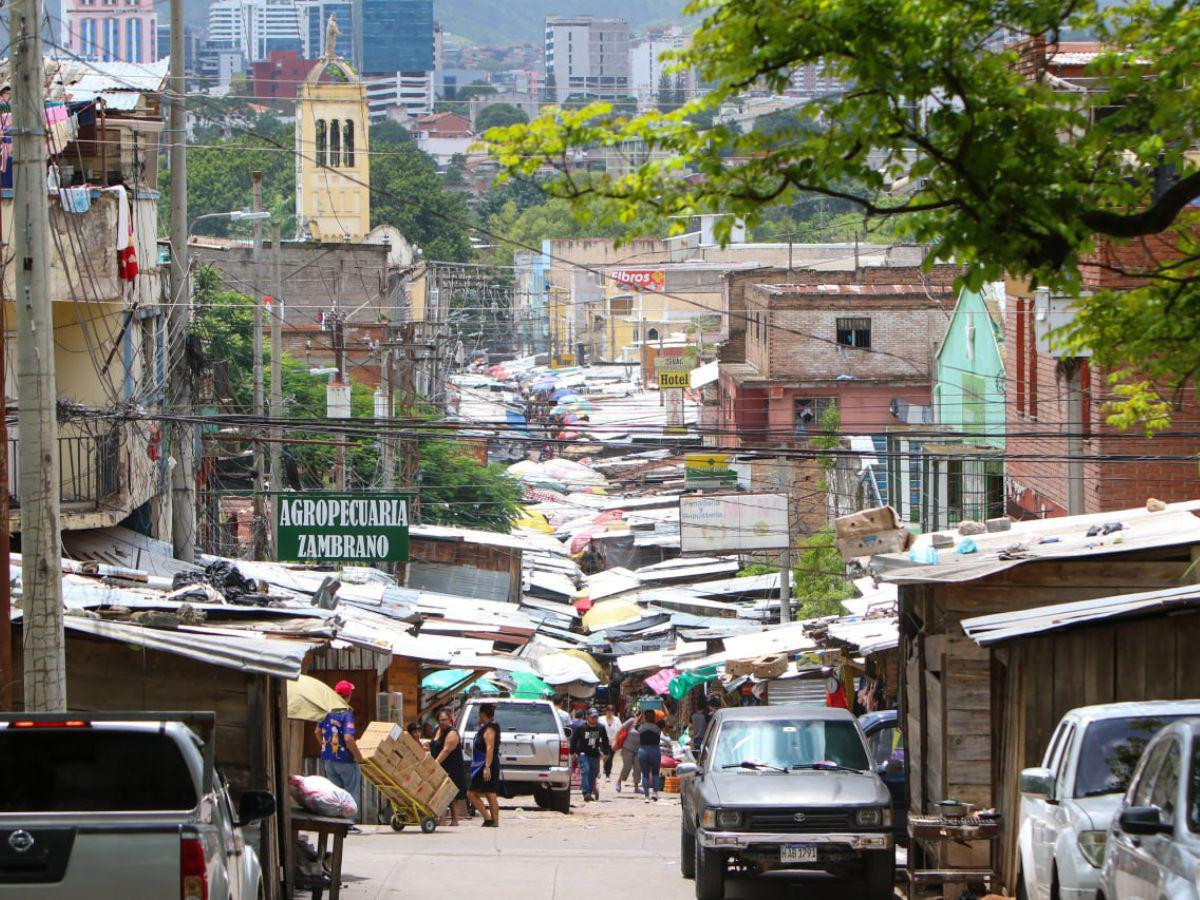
(329, 527)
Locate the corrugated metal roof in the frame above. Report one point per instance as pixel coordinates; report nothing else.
(1059, 538)
(867, 635)
(249, 654)
(985, 630)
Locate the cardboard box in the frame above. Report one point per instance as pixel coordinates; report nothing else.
(422, 791)
(378, 734)
(443, 795)
(881, 518)
(736, 668)
(895, 541)
(770, 666)
(431, 770)
(408, 746)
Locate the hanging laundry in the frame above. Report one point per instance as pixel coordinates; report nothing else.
(127, 264)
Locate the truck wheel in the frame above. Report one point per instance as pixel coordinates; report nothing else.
(710, 873)
(687, 854)
(880, 874)
(542, 798)
(560, 801)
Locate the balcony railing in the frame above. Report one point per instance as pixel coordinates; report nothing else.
(89, 469)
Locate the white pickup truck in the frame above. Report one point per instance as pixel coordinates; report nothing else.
(120, 805)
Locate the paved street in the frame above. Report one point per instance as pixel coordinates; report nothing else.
(537, 855)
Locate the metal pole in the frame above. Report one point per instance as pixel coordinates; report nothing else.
(41, 561)
(1075, 493)
(256, 295)
(785, 559)
(339, 357)
(276, 374)
(389, 391)
(183, 477)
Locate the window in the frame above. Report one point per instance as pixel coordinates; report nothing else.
(885, 743)
(112, 40)
(854, 332)
(87, 43)
(1139, 794)
(320, 154)
(811, 413)
(335, 143)
(133, 40)
(788, 743)
(348, 144)
(1193, 800)
(652, 334)
(1111, 752)
(1166, 784)
(534, 718)
(1060, 771)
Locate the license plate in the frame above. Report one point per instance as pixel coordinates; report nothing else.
(798, 853)
(516, 748)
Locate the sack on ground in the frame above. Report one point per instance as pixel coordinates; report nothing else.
(321, 796)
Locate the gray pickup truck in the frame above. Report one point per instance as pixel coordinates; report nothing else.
(785, 787)
(121, 805)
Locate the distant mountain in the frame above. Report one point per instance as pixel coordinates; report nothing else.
(522, 21)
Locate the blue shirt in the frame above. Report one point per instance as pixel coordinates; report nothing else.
(335, 728)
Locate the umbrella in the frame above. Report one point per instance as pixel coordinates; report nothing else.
(312, 700)
(590, 660)
(443, 679)
(562, 394)
(610, 613)
(524, 685)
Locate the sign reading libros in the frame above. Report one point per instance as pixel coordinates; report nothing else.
(329, 527)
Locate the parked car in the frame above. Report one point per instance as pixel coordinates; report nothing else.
(1068, 803)
(535, 753)
(106, 806)
(785, 787)
(885, 744)
(1153, 848)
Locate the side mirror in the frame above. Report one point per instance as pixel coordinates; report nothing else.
(686, 770)
(1143, 820)
(1038, 782)
(254, 806)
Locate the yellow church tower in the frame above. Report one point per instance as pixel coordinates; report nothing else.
(333, 172)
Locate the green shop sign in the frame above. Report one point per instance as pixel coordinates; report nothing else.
(342, 527)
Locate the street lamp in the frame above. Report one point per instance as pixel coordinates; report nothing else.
(235, 215)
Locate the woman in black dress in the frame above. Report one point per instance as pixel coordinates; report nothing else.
(446, 748)
(485, 767)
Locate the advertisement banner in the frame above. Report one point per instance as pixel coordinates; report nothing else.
(733, 522)
(709, 470)
(641, 279)
(674, 403)
(342, 527)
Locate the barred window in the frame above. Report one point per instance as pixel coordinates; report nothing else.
(854, 332)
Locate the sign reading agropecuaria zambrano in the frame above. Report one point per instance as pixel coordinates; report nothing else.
(342, 527)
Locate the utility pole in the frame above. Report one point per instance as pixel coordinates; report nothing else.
(387, 454)
(6, 664)
(785, 558)
(256, 295)
(41, 559)
(183, 478)
(1075, 491)
(339, 360)
(276, 375)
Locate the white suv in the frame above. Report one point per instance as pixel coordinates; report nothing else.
(1069, 801)
(535, 754)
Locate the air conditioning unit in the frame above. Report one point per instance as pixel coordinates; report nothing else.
(391, 707)
(1052, 312)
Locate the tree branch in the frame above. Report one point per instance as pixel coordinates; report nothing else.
(1151, 220)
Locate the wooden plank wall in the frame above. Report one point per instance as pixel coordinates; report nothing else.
(404, 675)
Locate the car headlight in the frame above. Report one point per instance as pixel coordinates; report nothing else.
(869, 818)
(1091, 845)
(729, 818)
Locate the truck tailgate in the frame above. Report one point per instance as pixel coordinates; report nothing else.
(97, 861)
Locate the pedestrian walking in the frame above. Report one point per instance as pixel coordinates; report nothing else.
(650, 754)
(701, 719)
(340, 755)
(627, 743)
(587, 744)
(446, 748)
(612, 727)
(485, 767)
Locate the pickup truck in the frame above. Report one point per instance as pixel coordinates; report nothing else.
(785, 787)
(116, 805)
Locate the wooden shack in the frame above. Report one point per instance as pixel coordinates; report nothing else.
(952, 689)
(1050, 660)
(465, 562)
(119, 666)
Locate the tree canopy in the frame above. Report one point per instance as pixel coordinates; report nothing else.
(969, 141)
(499, 115)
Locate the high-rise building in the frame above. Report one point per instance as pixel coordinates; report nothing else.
(647, 62)
(271, 25)
(103, 31)
(587, 58)
(314, 18)
(401, 36)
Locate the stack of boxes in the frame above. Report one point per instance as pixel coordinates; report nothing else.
(391, 757)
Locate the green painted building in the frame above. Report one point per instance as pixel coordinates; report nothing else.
(968, 392)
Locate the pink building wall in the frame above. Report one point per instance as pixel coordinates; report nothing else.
(111, 30)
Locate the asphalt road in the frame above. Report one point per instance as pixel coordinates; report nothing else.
(619, 847)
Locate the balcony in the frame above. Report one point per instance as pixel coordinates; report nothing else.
(83, 248)
(95, 483)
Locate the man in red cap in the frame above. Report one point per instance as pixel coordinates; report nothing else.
(339, 749)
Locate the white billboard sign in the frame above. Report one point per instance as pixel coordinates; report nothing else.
(732, 522)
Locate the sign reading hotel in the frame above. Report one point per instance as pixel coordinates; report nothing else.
(641, 279)
(342, 527)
